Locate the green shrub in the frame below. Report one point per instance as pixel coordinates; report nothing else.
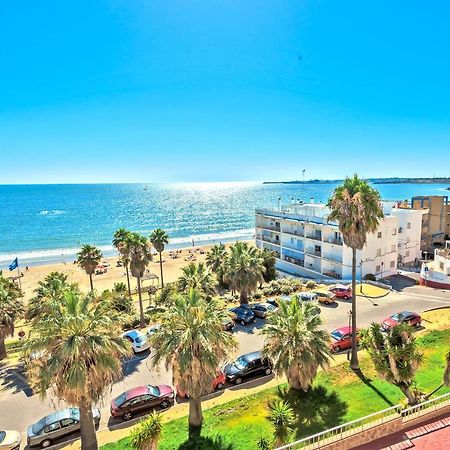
(370, 277)
(310, 284)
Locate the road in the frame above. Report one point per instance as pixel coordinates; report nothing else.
(19, 408)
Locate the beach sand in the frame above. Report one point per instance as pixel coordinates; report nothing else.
(114, 274)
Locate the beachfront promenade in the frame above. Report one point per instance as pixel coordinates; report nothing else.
(23, 408)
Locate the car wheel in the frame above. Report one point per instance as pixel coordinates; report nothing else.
(418, 324)
(127, 416)
(164, 404)
(345, 297)
(220, 386)
(238, 380)
(46, 443)
(327, 302)
(268, 371)
(242, 322)
(337, 349)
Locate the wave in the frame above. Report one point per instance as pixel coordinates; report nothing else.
(69, 254)
(52, 212)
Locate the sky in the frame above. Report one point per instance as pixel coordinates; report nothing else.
(226, 90)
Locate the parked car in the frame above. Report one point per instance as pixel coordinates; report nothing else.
(228, 325)
(341, 339)
(57, 425)
(243, 314)
(341, 291)
(139, 341)
(152, 330)
(277, 301)
(217, 384)
(307, 296)
(140, 399)
(328, 298)
(248, 365)
(261, 309)
(9, 440)
(408, 317)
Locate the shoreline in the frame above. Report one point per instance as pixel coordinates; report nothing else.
(38, 258)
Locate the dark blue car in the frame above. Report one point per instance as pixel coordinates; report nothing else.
(243, 315)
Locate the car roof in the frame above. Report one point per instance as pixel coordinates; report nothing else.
(252, 356)
(340, 286)
(61, 414)
(407, 313)
(135, 392)
(132, 333)
(344, 330)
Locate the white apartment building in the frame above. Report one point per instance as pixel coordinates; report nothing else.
(307, 245)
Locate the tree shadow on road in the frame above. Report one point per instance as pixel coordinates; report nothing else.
(315, 410)
(13, 378)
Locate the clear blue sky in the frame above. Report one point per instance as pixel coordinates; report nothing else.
(203, 90)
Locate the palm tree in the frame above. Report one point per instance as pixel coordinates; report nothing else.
(244, 269)
(447, 370)
(80, 351)
(120, 243)
(269, 260)
(196, 276)
(215, 260)
(357, 208)
(146, 435)
(192, 342)
(282, 417)
(48, 295)
(159, 238)
(119, 299)
(88, 259)
(295, 342)
(140, 256)
(394, 354)
(11, 309)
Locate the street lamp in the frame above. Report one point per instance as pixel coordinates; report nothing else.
(349, 327)
(361, 278)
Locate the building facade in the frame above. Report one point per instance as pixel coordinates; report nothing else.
(436, 222)
(436, 273)
(307, 245)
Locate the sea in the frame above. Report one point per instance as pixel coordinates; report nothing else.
(48, 223)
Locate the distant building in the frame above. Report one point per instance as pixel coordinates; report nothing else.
(436, 222)
(306, 244)
(437, 273)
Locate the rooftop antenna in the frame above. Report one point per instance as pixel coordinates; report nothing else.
(303, 181)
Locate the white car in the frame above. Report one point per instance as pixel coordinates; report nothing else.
(9, 440)
(151, 330)
(139, 341)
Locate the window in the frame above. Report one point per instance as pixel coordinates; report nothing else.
(407, 253)
(393, 247)
(67, 422)
(394, 231)
(379, 252)
(377, 269)
(52, 427)
(408, 225)
(392, 264)
(379, 235)
(400, 230)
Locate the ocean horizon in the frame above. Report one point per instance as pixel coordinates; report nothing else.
(48, 223)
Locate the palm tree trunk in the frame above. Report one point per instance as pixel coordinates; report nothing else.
(195, 412)
(2, 347)
(141, 306)
(354, 359)
(128, 279)
(161, 269)
(407, 392)
(87, 427)
(243, 297)
(90, 280)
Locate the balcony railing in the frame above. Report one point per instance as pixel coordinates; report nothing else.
(331, 240)
(270, 240)
(299, 233)
(313, 252)
(297, 261)
(269, 227)
(334, 258)
(316, 237)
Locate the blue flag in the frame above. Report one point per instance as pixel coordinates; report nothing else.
(14, 265)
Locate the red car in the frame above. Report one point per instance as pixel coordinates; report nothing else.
(217, 384)
(141, 398)
(408, 317)
(341, 339)
(341, 291)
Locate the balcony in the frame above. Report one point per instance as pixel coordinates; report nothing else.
(300, 233)
(332, 240)
(313, 252)
(270, 240)
(334, 258)
(297, 261)
(269, 227)
(315, 236)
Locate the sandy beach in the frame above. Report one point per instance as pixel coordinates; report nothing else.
(114, 274)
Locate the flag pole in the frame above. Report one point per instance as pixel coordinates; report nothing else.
(18, 273)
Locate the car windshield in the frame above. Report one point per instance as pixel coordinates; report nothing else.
(153, 390)
(241, 363)
(138, 339)
(2, 436)
(397, 317)
(38, 426)
(120, 400)
(270, 307)
(336, 334)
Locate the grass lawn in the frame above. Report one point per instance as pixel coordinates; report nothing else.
(338, 396)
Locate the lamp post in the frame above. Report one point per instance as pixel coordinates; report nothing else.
(361, 276)
(349, 327)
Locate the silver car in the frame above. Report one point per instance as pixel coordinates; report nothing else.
(57, 425)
